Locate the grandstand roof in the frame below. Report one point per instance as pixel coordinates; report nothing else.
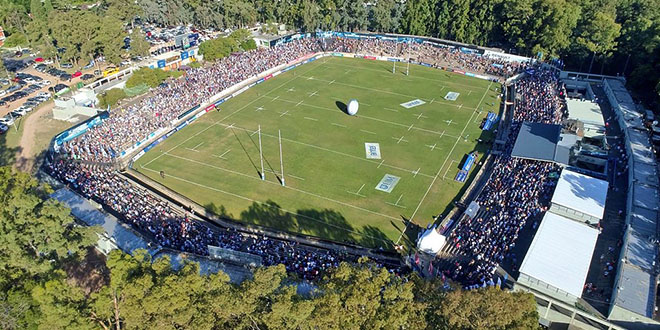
(636, 294)
(537, 141)
(560, 253)
(581, 193)
(585, 111)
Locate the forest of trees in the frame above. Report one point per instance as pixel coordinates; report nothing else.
(613, 35)
(50, 279)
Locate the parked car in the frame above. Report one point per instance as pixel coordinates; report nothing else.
(98, 72)
(87, 76)
(89, 65)
(65, 76)
(66, 65)
(76, 74)
(3, 128)
(3, 92)
(19, 112)
(14, 88)
(4, 81)
(44, 94)
(7, 120)
(59, 87)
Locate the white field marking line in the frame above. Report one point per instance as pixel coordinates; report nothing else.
(460, 106)
(330, 83)
(261, 108)
(386, 92)
(433, 99)
(276, 97)
(291, 90)
(409, 128)
(414, 76)
(449, 122)
(295, 177)
(255, 201)
(444, 177)
(397, 203)
(421, 115)
(367, 104)
(285, 113)
(285, 187)
(415, 172)
(230, 126)
(390, 109)
(372, 118)
(368, 132)
(299, 103)
(469, 92)
(432, 146)
(310, 118)
(443, 165)
(223, 154)
(339, 125)
(441, 88)
(314, 93)
(332, 151)
(255, 132)
(225, 117)
(195, 147)
(358, 192)
(310, 78)
(400, 139)
(381, 163)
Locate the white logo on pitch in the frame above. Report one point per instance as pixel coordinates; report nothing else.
(412, 103)
(372, 150)
(387, 183)
(452, 96)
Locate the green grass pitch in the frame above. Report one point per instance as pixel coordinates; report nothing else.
(330, 184)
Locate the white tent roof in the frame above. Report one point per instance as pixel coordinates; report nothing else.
(431, 241)
(581, 193)
(560, 253)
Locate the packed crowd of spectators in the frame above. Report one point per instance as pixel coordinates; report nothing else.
(518, 191)
(172, 227)
(80, 162)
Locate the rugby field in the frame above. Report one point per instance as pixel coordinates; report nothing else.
(331, 185)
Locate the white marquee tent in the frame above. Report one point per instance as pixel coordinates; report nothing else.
(431, 241)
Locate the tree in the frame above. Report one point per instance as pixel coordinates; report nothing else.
(123, 10)
(217, 48)
(489, 308)
(416, 17)
(139, 45)
(109, 41)
(36, 233)
(381, 16)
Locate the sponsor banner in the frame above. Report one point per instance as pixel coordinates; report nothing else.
(188, 112)
(268, 77)
(338, 54)
(140, 154)
(209, 107)
(425, 64)
(277, 73)
(459, 71)
(393, 59)
(252, 85)
(181, 126)
(370, 57)
(412, 104)
(289, 68)
(184, 56)
(372, 150)
(387, 183)
(199, 114)
(161, 63)
(469, 74)
(221, 101)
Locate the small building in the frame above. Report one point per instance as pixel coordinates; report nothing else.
(81, 103)
(588, 113)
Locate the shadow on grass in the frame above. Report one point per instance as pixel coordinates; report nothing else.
(7, 154)
(325, 224)
(341, 106)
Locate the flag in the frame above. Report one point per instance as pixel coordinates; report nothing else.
(431, 268)
(417, 258)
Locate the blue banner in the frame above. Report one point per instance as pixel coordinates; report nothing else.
(161, 63)
(184, 55)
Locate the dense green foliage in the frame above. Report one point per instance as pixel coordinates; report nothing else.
(45, 270)
(111, 97)
(218, 48)
(150, 77)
